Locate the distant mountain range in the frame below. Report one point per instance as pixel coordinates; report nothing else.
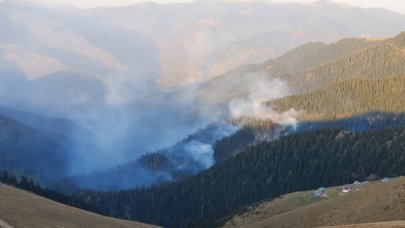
(203, 39)
(60, 61)
(345, 84)
(164, 64)
(286, 97)
(116, 53)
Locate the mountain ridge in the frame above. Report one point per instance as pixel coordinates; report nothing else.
(311, 67)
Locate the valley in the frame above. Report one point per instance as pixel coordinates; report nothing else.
(261, 173)
(202, 114)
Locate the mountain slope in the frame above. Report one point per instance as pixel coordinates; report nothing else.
(314, 66)
(46, 51)
(203, 39)
(185, 158)
(25, 151)
(19, 208)
(348, 98)
(185, 42)
(254, 133)
(373, 202)
(265, 171)
(382, 60)
(100, 66)
(391, 224)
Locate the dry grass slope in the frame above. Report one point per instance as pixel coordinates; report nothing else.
(393, 224)
(371, 204)
(22, 209)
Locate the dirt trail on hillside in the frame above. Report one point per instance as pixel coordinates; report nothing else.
(4, 225)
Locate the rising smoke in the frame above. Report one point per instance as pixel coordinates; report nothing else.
(110, 95)
(261, 89)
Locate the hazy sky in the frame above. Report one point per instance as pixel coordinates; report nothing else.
(395, 5)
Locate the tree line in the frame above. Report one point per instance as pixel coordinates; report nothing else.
(295, 162)
(292, 163)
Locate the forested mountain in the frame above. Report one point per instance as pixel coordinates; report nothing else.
(99, 67)
(311, 55)
(203, 39)
(383, 60)
(231, 145)
(44, 51)
(314, 66)
(58, 129)
(292, 163)
(348, 98)
(63, 63)
(368, 92)
(250, 133)
(257, 132)
(182, 114)
(25, 151)
(48, 150)
(185, 158)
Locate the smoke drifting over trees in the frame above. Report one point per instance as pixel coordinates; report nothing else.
(110, 85)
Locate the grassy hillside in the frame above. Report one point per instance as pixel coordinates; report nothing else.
(22, 209)
(348, 98)
(374, 202)
(391, 224)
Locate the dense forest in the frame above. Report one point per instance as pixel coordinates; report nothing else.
(292, 163)
(260, 161)
(314, 66)
(168, 164)
(382, 59)
(291, 67)
(233, 144)
(248, 136)
(348, 98)
(25, 151)
(311, 55)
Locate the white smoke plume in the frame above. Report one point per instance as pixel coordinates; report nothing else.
(261, 89)
(202, 152)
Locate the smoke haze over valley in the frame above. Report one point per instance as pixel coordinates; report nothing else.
(143, 94)
(202, 114)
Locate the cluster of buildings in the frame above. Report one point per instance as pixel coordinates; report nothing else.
(347, 187)
(352, 187)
